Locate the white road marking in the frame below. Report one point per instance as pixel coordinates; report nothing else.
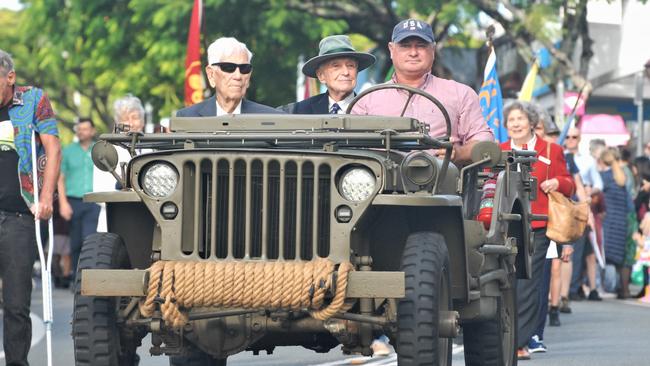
(389, 360)
(38, 331)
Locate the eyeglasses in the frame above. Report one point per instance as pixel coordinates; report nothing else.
(230, 67)
(572, 137)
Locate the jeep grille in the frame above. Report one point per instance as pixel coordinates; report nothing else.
(250, 207)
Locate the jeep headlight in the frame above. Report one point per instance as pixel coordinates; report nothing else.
(357, 184)
(159, 180)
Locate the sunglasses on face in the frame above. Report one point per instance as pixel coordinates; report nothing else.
(572, 137)
(230, 67)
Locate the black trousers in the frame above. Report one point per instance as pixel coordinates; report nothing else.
(529, 305)
(17, 255)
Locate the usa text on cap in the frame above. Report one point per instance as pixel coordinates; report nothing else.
(412, 28)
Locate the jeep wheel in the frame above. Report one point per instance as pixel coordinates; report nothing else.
(494, 342)
(196, 358)
(98, 338)
(425, 263)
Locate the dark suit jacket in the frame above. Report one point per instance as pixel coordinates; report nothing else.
(318, 104)
(208, 108)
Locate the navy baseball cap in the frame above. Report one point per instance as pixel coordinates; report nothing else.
(413, 28)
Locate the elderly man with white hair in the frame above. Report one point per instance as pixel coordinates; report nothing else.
(229, 72)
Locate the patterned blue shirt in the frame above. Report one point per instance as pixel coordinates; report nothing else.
(30, 111)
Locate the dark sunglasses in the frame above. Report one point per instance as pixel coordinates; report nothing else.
(230, 67)
(572, 137)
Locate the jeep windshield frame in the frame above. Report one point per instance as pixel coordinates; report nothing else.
(288, 131)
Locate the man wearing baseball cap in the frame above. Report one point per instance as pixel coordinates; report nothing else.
(229, 72)
(336, 66)
(412, 51)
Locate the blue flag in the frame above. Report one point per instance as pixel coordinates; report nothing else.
(491, 100)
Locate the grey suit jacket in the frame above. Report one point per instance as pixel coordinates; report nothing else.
(208, 108)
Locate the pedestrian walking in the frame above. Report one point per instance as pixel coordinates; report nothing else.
(618, 205)
(24, 111)
(77, 171)
(551, 173)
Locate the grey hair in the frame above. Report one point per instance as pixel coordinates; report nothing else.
(527, 108)
(224, 47)
(126, 104)
(6, 63)
(595, 145)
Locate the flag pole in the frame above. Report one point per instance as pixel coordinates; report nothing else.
(572, 116)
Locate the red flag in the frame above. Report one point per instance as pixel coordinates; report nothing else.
(193, 75)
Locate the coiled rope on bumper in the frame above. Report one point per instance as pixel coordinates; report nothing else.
(288, 285)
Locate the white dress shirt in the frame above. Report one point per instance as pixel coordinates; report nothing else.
(343, 103)
(222, 112)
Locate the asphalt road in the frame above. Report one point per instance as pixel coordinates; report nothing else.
(611, 332)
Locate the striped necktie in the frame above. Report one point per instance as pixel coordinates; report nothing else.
(335, 108)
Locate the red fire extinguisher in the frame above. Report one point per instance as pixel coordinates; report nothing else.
(487, 202)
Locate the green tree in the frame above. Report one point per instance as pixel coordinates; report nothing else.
(103, 49)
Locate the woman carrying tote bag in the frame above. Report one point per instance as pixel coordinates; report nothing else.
(550, 170)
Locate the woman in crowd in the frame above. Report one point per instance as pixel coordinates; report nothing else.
(551, 173)
(618, 205)
(641, 168)
(559, 269)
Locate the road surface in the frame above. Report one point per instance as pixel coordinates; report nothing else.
(611, 332)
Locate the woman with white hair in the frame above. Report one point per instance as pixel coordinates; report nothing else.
(128, 114)
(551, 172)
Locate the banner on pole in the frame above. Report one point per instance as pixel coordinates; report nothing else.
(491, 100)
(193, 74)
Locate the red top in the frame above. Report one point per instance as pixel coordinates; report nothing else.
(542, 171)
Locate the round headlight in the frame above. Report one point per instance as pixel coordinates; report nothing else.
(357, 184)
(419, 168)
(159, 180)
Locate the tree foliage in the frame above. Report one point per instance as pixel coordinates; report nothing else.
(103, 49)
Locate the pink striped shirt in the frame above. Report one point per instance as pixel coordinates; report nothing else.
(460, 101)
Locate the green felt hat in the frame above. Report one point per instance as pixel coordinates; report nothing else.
(334, 47)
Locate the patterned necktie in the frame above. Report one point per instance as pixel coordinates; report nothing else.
(335, 109)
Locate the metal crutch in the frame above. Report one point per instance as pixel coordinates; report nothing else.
(46, 264)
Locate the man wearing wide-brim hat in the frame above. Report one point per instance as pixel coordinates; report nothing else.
(336, 66)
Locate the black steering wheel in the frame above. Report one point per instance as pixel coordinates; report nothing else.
(411, 91)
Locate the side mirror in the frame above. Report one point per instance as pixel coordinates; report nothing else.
(487, 150)
(104, 156)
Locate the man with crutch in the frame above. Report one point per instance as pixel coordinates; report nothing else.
(28, 134)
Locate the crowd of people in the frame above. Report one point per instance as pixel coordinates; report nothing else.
(616, 186)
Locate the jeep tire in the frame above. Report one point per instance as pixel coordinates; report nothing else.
(98, 338)
(425, 262)
(494, 342)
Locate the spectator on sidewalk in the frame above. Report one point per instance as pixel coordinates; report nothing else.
(618, 205)
(550, 170)
(559, 269)
(77, 171)
(642, 208)
(583, 255)
(128, 116)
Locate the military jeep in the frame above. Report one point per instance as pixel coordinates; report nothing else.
(250, 232)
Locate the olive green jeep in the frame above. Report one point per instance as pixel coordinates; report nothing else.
(250, 232)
